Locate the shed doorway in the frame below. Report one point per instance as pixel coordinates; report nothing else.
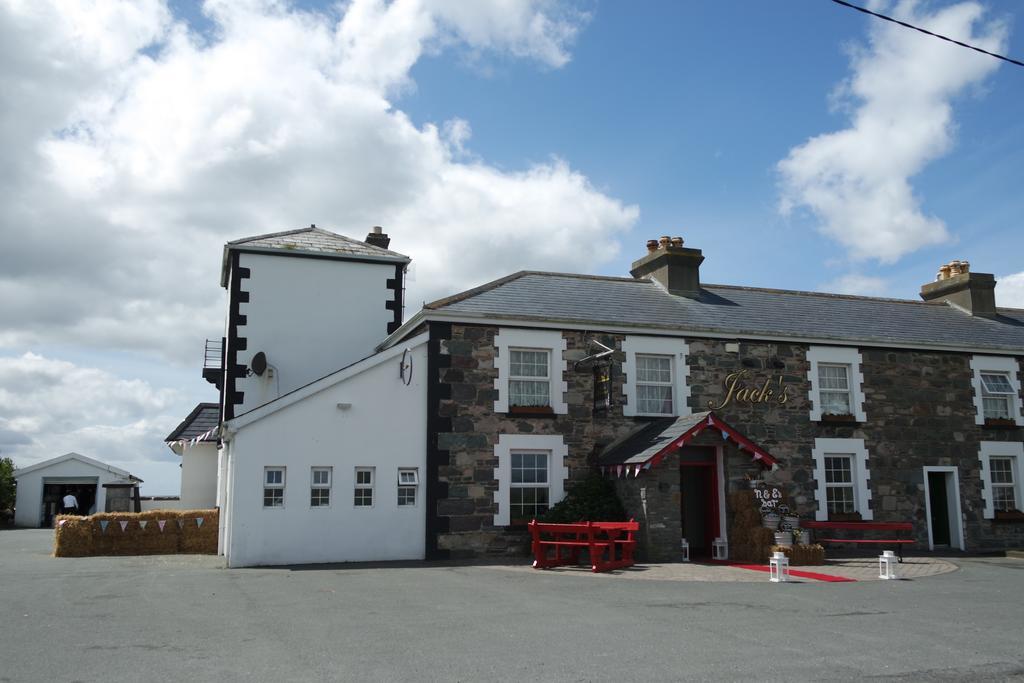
(698, 504)
(54, 490)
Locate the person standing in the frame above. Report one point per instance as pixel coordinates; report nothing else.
(70, 504)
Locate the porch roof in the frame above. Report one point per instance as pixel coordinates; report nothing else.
(646, 447)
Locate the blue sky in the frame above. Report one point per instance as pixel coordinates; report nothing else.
(486, 139)
(685, 109)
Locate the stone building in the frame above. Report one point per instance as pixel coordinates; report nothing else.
(349, 435)
(868, 408)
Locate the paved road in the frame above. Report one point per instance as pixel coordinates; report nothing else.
(185, 618)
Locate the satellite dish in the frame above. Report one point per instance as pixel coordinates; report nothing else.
(259, 364)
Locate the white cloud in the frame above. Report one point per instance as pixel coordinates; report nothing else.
(138, 148)
(856, 283)
(857, 181)
(1010, 291)
(50, 407)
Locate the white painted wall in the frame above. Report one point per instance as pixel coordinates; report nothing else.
(199, 476)
(310, 317)
(385, 428)
(29, 511)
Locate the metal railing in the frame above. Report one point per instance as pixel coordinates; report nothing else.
(214, 356)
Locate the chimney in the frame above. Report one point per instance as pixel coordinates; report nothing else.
(956, 284)
(676, 267)
(378, 238)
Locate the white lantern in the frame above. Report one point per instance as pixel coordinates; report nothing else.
(778, 568)
(720, 549)
(685, 547)
(887, 565)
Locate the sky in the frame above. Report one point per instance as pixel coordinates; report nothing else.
(800, 145)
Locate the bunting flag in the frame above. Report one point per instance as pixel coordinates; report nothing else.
(181, 523)
(636, 471)
(143, 523)
(124, 524)
(725, 435)
(62, 522)
(103, 525)
(621, 470)
(160, 523)
(199, 522)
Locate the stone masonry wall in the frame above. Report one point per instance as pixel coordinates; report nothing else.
(919, 408)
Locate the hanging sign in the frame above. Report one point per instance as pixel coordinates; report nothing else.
(769, 497)
(739, 389)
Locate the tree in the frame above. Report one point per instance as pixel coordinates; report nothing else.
(6, 484)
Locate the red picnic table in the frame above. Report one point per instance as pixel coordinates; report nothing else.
(609, 545)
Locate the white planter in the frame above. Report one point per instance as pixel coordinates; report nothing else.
(770, 521)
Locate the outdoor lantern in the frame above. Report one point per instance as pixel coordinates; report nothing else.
(686, 550)
(887, 565)
(720, 549)
(778, 568)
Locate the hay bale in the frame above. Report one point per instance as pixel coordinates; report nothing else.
(801, 555)
(129, 533)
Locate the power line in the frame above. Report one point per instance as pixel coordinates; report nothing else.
(927, 32)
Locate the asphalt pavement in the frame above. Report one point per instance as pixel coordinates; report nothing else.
(170, 618)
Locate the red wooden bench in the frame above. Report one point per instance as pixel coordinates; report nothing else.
(609, 545)
(865, 526)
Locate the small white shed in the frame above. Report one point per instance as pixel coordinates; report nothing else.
(42, 486)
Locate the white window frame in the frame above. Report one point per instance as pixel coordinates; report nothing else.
(356, 486)
(540, 340)
(1003, 365)
(836, 355)
(851, 485)
(677, 349)
(408, 482)
(530, 485)
(1001, 449)
(282, 486)
(558, 471)
(313, 485)
(861, 474)
(525, 378)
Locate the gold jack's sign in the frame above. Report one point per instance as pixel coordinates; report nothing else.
(739, 390)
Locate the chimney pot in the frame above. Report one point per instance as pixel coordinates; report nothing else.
(957, 285)
(674, 267)
(378, 238)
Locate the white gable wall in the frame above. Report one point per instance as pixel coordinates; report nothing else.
(385, 428)
(310, 317)
(29, 511)
(199, 476)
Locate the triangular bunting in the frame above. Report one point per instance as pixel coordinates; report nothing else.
(725, 435)
(160, 523)
(103, 525)
(143, 523)
(199, 522)
(124, 524)
(181, 523)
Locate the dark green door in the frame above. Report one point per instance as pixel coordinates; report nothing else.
(938, 500)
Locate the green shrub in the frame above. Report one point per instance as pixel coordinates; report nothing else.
(591, 500)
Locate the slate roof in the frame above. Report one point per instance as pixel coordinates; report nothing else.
(202, 419)
(735, 311)
(644, 444)
(315, 240)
